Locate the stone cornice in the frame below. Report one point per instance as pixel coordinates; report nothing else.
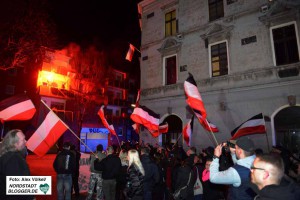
(242, 79)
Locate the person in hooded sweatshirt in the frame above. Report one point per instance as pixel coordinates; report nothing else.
(267, 173)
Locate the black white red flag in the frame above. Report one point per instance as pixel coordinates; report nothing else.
(163, 128)
(194, 99)
(187, 131)
(110, 128)
(254, 125)
(18, 107)
(49, 130)
(130, 52)
(207, 125)
(146, 117)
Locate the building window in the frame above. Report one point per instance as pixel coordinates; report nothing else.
(57, 105)
(219, 59)
(216, 9)
(170, 70)
(10, 89)
(170, 23)
(285, 44)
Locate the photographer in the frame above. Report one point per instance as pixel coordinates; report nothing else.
(237, 176)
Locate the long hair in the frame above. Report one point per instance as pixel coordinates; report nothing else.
(9, 141)
(134, 157)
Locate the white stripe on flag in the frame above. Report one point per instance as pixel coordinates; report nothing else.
(192, 90)
(48, 123)
(16, 109)
(252, 123)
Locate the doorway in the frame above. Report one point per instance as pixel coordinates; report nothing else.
(174, 131)
(287, 128)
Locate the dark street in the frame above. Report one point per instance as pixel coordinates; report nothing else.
(43, 167)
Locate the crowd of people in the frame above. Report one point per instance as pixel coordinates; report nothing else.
(232, 172)
(135, 172)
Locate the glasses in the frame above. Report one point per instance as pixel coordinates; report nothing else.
(252, 167)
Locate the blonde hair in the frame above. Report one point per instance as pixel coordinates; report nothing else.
(134, 157)
(9, 141)
(123, 157)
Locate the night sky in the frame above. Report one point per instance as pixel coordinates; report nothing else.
(90, 20)
(110, 25)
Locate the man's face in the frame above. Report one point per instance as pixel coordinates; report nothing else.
(257, 173)
(21, 143)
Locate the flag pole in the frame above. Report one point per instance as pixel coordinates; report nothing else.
(177, 140)
(118, 141)
(214, 137)
(69, 129)
(134, 47)
(268, 141)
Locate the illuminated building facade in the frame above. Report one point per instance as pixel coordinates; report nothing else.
(244, 56)
(76, 97)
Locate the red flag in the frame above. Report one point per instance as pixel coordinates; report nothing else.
(48, 132)
(187, 131)
(254, 125)
(194, 99)
(110, 128)
(162, 129)
(18, 107)
(205, 123)
(146, 117)
(130, 52)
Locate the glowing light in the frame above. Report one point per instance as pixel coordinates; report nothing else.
(46, 78)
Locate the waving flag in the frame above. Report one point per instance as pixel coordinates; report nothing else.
(18, 107)
(130, 52)
(48, 132)
(110, 128)
(187, 131)
(146, 117)
(194, 99)
(254, 125)
(162, 129)
(205, 123)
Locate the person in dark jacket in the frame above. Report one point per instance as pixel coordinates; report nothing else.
(136, 175)
(210, 191)
(267, 173)
(12, 162)
(111, 168)
(151, 173)
(185, 177)
(64, 165)
(75, 176)
(237, 176)
(191, 153)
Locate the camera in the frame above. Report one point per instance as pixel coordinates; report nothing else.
(227, 145)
